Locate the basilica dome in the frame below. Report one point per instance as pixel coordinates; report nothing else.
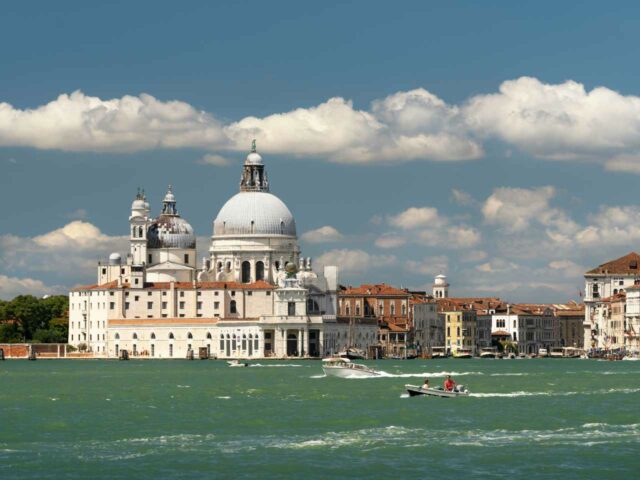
(170, 230)
(254, 213)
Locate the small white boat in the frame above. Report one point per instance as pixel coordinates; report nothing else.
(237, 363)
(343, 368)
(458, 391)
(439, 352)
(463, 352)
(489, 352)
(543, 352)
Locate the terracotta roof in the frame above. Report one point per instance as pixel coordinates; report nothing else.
(395, 328)
(629, 264)
(500, 333)
(468, 303)
(259, 285)
(381, 289)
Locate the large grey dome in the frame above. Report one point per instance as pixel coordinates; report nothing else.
(254, 213)
(170, 231)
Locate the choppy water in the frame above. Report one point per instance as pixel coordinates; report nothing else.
(179, 419)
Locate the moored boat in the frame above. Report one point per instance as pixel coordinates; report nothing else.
(344, 368)
(353, 353)
(458, 391)
(463, 352)
(489, 352)
(439, 352)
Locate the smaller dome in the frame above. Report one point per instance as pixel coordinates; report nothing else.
(170, 231)
(138, 204)
(253, 158)
(115, 259)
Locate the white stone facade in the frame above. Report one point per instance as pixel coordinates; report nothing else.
(254, 297)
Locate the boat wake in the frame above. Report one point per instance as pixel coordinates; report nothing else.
(384, 374)
(274, 365)
(555, 394)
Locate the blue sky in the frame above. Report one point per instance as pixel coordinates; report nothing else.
(495, 142)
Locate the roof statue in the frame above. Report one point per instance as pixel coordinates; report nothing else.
(253, 146)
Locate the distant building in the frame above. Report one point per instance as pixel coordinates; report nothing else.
(440, 287)
(384, 305)
(570, 319)
(531, 326)
(603, 282)
(428, 326)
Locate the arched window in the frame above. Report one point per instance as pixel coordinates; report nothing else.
(171, 337)
(209, 336)
(404, 309)
(232, 307)
(393, 309)
(228, 266)
(117, 336)
(246, 272)
(135, 336)
(281, 227)
(219, 266)
(153, 336)
(277, 265)
(259, 271)
(140, 232)
(348, 310)
(189, 336)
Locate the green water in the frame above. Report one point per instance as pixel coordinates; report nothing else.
(201, 419)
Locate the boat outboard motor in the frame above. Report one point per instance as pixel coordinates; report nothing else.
(460, 388)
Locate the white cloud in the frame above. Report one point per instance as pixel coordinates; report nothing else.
(462, 198)
(557, 121)
(611, 226)
(11, 287)
(322, 235)
(214, 159)
(624, 163)
(390, 241)
(415, 217)
(515, 208)
(355, 261)
(497, 265)
(432, 265)
(78, 122)
(69, 252)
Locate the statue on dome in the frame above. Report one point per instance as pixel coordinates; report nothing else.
(253, 146)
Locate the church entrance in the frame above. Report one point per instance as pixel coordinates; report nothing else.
(292, 345)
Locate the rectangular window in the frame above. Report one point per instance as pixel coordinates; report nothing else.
(164, 305)
(149, 305)
(215, 294)
(164, 315)
(181, 305)
(216, 305)
(126, 305)
(136, 281)
(164, 294)
(233, 293)
(136, 298)
(150, 258)
(104, 271)
(186, 258)
(292, 308)
(199, 305)
(199, 294)
(182, 315)
(148, 294)
(268, 293)
(249, 293)
(182, 294)
(111, 294)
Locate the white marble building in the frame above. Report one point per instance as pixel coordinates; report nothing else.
(255, 296)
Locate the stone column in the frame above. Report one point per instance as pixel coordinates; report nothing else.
(321, 342)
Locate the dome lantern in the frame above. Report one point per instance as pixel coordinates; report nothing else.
(254, 176)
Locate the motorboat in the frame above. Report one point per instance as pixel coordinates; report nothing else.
(463, 352)
(439, 352)
(489, 352)
(556, 352)
(237, 363)
(344, 368)
(542, 352)
(458, 391)
(352, 353)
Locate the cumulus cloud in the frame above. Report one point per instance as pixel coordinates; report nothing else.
(390, 241)
(78, 122)
(415, 217)
(611, 226)
(515, 208)
(69, 252)
(355, 261)
(462, 198)
(624, 163)
(557, 121)
(431, 265)
(11, 287)
(324, 234)
(214, 159)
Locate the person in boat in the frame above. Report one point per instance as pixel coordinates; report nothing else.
(425, 386)
(449, 384)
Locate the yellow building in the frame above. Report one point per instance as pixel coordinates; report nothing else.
(460, 330)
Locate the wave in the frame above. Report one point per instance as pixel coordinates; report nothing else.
(274, 365)
(510, 374)
(556, 394)
(425, 374)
